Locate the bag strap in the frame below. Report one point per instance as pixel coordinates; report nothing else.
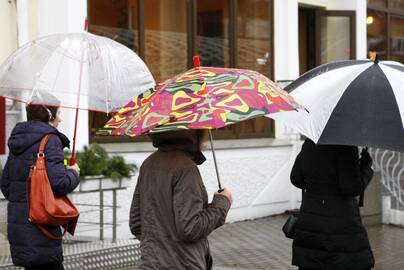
(41, 154)
(48, 234)
(42, 145)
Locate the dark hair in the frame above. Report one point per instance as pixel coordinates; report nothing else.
(41, 113)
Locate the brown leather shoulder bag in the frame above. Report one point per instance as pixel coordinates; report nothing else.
(44, 208)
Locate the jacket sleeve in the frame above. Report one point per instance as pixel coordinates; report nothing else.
(62, 180)
(353, 174)
(5, 181)
(134, 214)
(296, 176)
(194, 221)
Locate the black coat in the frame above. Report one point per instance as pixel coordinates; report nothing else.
(29, 247)
(329, 233)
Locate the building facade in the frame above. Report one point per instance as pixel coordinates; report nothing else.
(279, 38)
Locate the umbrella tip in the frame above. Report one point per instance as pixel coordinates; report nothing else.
(197, 61)
(374, 56)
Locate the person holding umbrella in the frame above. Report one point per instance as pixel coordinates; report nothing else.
(30, 248)
(350, 103)
(170, 213)
(329, 233)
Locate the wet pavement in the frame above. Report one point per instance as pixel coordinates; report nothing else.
(260, 244)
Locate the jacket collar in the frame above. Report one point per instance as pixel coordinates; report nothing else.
(184, 140)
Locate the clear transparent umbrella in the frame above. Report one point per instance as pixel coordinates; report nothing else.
(74, 70)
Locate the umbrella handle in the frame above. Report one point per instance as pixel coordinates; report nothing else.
(72, 160)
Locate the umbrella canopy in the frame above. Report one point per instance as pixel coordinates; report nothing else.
(356, 102)
(201, 98)
(80, 70)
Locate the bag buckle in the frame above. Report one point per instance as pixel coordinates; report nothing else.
(42, 155)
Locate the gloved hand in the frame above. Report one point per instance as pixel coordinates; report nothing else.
(365, 160)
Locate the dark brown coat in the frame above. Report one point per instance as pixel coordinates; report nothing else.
(170, 213)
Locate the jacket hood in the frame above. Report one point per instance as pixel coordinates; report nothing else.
(26, 134)
(185, 140)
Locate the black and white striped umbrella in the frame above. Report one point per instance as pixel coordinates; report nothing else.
(355, 102)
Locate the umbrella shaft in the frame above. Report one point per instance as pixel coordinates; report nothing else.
(73, 160)
(214, 159)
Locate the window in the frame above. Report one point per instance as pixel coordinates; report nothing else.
(113, 19)
(166, 35)
(397, 5)
(212, 36)
(397, 39)
(385, 29)
(165, 41)
(377, 3)
(376, 28)
(254, 51)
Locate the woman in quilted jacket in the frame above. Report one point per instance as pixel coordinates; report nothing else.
(29, 247)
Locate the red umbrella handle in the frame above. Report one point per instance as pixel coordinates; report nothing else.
(72, 160)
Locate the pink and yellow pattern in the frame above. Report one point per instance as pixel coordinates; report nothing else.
(201, 98)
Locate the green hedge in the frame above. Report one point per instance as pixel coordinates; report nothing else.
(94, 161)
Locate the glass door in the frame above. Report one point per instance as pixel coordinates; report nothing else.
(335, 36)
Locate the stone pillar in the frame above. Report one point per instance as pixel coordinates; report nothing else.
(372, 211)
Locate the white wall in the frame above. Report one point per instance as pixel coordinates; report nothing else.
(8, 29)
(257, 177)
(286, 46)
(286, 39)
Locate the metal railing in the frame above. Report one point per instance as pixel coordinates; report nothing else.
(98, 187)
(391, 167)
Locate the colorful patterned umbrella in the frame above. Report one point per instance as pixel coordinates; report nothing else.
(201, 98)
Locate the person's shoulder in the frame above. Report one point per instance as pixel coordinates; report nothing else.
(54, 141)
